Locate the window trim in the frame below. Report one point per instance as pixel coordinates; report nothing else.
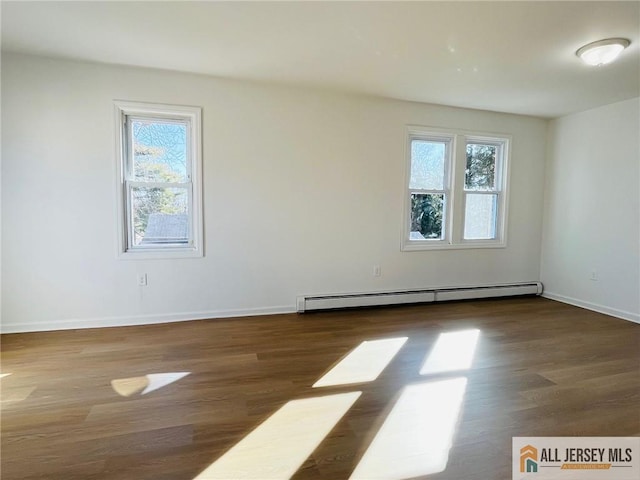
(454, 214)
(192, 116)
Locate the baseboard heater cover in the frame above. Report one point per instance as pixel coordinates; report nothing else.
(307, 303)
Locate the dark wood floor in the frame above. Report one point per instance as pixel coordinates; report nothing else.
(541, 368)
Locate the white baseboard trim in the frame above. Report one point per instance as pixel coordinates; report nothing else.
(614, 312)
(71, 324)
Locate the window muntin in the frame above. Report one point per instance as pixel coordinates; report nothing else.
(159, 181)
(456, 190)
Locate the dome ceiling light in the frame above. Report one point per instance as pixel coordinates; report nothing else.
(603, 51)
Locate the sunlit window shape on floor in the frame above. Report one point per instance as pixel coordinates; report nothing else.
(146, 383)
(416, 436)
(280, 445)
(364, 363)
(452, 352)
(2, 375)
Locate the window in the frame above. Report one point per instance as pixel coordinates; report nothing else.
(456, 195)
(481, 192)
(159, 167)
(429, 187)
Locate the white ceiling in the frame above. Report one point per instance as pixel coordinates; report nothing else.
(513, 56)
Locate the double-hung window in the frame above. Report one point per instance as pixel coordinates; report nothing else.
(159, 178)
(456, 190)
(429, 187)
(482, 189)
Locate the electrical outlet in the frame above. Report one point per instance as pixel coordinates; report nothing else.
(593, 276)
(376, 271)
(142, 279)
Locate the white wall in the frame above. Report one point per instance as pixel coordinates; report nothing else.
(303, 194)
(592, 211)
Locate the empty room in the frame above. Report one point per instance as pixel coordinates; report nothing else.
(320, 240)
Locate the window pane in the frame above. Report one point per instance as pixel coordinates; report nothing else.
(427, 212)
(160, 215)
(427, 165)
(481, 167)
(480, 216)
(159, 151)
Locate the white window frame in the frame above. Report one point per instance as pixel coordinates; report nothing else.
(192, 117)
(454, 206)
(449, 142)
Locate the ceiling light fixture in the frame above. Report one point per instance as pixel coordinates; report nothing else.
(603, 51)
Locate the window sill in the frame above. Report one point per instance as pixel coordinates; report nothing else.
(418, 246)
(160, 253)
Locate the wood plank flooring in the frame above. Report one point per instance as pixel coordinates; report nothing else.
(540, 368)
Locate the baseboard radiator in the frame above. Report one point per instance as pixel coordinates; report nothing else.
(307, 303)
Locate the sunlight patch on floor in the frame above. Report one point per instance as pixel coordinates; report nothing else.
(2, 375)
(16, 394)
(146, 383)
(453, 351)
(280, 445)
(416, 436)
(364, 363)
